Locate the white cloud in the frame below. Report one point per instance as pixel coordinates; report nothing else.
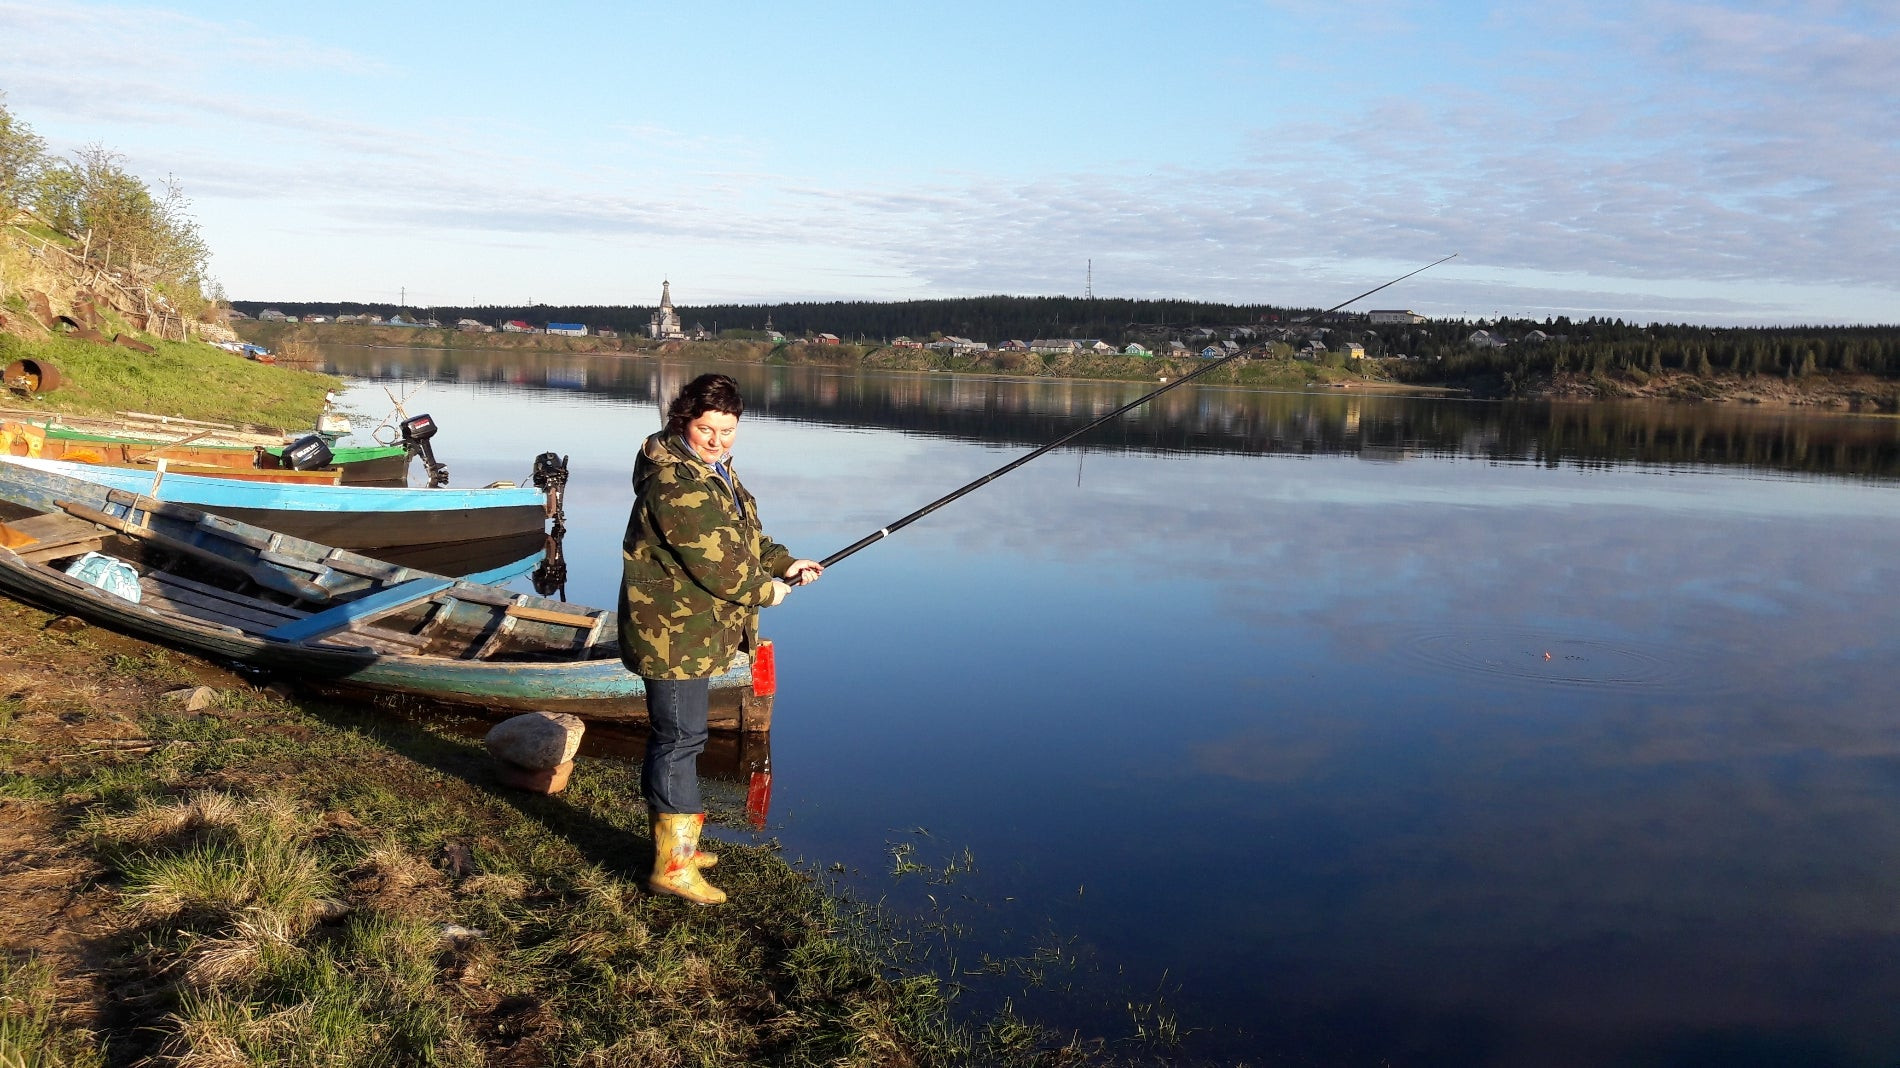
(1664, 159)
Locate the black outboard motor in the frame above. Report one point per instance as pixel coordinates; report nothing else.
(550, 477)
(307, 453)
(416, 432)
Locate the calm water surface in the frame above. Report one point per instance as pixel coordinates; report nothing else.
(1326, 729)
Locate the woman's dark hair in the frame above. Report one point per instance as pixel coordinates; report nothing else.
(707, 393)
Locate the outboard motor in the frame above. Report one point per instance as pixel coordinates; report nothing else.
(308, 453)
(416, 432)
(550, 477)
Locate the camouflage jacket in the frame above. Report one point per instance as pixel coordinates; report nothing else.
(695, 566)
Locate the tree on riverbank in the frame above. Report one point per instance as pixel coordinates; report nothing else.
(1516, 352)
(106, 214)
(21, 153)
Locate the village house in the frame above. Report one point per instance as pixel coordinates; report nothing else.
(1134, 349)
(827, 339)
(471, 326)
(1054, 345)
(1015, 346)
(516, 326)
(959, 346)
(1353, 350)
(1389, 317)
(1485, 339)
(568, 329)
(906, 343)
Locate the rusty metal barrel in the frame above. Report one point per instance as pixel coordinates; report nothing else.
(32, 376)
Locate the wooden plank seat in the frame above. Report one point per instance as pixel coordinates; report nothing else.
(43, 538)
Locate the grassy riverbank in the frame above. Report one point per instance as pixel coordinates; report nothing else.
(188, 380)
(278, 881)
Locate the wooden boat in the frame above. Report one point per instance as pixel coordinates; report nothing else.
(204, 445)
(376, 520)
(338, 620)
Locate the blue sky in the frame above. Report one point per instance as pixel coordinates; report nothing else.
(1647, 159)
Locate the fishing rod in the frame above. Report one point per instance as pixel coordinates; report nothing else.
(884, 532)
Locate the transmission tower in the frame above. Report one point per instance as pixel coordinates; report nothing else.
(1088, 287)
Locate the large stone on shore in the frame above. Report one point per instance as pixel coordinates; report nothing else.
(537, 741)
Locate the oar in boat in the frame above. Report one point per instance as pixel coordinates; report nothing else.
(885, 532)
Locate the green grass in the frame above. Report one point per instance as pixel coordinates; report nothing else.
(32, 1032)
(191, 381)
(310, 884)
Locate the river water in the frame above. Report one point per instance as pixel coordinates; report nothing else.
(1311, 728)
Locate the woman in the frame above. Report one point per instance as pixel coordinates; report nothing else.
(696, 569)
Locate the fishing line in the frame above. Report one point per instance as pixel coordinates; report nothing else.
(886, 531)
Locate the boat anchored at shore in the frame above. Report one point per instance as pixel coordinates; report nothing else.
(331, 618)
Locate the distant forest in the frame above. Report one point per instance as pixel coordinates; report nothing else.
(991, 319)
(1442, 349)
(1616, 349)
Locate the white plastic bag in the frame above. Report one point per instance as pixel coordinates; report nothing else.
(109, 573)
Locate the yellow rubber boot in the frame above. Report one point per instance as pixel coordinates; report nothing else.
(675, 867)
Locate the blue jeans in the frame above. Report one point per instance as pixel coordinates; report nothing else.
(669, 777)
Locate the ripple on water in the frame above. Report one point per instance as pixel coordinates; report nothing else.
(1554, 659)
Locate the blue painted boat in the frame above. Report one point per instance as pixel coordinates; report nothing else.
(335, 619)
(374, 519)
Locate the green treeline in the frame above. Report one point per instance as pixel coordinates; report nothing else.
(1614, 349)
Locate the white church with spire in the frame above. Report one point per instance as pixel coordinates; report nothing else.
(664, 324)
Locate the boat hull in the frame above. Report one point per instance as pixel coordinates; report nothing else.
(363, 518)
(380, 466)
(602, 690)
(335, 619)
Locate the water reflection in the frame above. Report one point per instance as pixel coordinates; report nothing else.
(732, 758)
(1379, 428)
